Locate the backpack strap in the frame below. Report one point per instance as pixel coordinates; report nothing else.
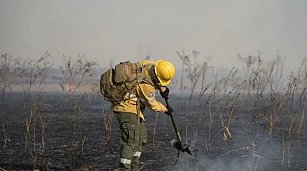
(145, 76)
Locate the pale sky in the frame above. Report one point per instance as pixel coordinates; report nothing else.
(133, 29)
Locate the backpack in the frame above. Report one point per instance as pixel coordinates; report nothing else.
(116, 82)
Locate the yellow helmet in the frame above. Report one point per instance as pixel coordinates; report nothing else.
(165, 72)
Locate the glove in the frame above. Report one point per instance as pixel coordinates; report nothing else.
(169, 110)
(165, 93)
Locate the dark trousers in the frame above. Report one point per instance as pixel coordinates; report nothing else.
(133, 138)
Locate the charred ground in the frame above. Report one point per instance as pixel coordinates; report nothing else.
(61, 132)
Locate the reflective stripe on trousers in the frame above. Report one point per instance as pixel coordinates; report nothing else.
(137, 154)
(125, 161)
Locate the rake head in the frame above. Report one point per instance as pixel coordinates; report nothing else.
(181, 147)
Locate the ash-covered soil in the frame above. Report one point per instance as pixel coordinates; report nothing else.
(61, 132)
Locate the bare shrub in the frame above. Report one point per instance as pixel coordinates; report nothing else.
(278, 95)
(193, 71)
(75, 73)
(34, 72)
(5, 69)
(9, 68)
(220, 104)
(78, 139)
(108, 122)
(253, 73)
(7, 144)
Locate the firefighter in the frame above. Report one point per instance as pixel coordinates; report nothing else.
(130, 112)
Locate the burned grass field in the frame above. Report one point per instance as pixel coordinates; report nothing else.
(248, 119)
(79, 132)
(66, 133)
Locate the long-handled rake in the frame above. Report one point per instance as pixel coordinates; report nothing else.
(177, 143)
